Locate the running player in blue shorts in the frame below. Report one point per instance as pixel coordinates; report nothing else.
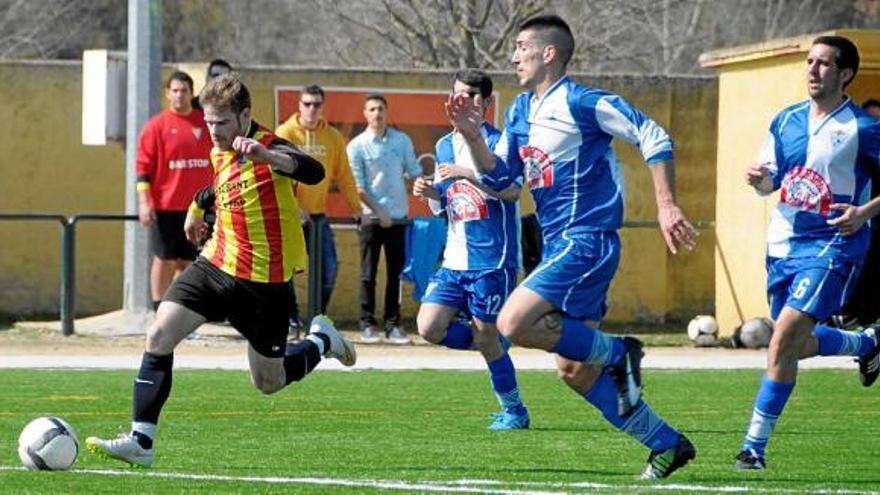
(480, 260)
(819, 153)
(558, 136)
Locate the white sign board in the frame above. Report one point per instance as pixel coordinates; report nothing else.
(103, 100)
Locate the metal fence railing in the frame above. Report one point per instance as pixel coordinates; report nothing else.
(67, 295)
(67, 298)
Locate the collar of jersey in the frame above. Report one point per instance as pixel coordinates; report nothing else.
(826, 118)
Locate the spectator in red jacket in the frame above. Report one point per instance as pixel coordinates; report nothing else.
(173, 162)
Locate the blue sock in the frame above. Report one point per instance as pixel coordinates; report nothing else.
(458, 336)
(643, 424)
(837, 342)
(503, 376)
(769, 404)
(579, 342)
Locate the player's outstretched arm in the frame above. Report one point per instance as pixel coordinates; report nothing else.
(509, 193)
(284, 159)
(674, 225)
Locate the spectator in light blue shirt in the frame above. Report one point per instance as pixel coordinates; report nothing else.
(381, 158)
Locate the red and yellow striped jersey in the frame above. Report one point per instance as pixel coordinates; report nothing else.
(257, 235)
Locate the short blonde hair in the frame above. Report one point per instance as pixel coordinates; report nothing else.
(226, 92)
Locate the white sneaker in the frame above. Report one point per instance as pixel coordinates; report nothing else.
(124, 448)
(340, 347)
(396, 335)
(370, 335)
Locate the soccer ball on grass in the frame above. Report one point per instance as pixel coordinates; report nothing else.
(48, 444)
(703, 330)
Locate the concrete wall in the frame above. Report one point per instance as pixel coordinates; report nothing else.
(51, 171)
(46, 169)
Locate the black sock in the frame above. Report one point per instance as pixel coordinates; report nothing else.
(301, 359)
(324, 338)
(156, 305)
(151, 390)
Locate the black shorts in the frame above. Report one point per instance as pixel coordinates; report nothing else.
(167, 238)
(257, 310)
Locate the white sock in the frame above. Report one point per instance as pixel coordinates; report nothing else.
(146, 429)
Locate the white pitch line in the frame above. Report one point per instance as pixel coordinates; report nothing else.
(366, 483)
(463, 485)
(661, 486)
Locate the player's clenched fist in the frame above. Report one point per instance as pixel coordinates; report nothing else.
(250, 148)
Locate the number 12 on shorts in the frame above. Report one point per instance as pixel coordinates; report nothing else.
(493, 304)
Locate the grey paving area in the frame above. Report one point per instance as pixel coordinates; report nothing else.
(110, 342)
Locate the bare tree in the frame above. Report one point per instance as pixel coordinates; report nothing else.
(44, 29)
(430, 33)
(667, 36)
(634, 36)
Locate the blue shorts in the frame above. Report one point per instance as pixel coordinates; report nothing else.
(575, 273)
(816, 286)
(478, 293)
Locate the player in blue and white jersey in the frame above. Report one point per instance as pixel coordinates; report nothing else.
(480, 260)
(819, 153)
(558, 136)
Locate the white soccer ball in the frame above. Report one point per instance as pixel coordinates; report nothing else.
(703, 330)
(48, 444)
(756, 333)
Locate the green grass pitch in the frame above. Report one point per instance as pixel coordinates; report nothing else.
(425, 432)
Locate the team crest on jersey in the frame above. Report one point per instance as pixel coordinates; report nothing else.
(806, 189)
(466, 202)
(537, 166)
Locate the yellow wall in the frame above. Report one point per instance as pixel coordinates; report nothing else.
(53, 172)
(45, 169)
(755, 83)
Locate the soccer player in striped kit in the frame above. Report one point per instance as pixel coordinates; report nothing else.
(480, 260)
(557, 136)
(819, 153)
(242, 273)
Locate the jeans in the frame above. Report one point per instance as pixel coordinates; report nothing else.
(329, 267)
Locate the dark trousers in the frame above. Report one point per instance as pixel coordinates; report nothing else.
(532, 242)
(372, 239)
(864, 303)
